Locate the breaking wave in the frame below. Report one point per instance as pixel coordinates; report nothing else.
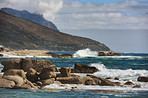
(86, 53)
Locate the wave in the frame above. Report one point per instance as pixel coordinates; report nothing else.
(86, 53)
(128, 73)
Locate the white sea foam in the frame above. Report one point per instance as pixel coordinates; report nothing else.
(128, 73)
(86, 53)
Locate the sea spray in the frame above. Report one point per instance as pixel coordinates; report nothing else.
(86, 53)
(128, 73)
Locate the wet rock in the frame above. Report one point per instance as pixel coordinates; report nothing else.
(70, 80)
(108, 53)
(54, 55)
(129, 83)
(79, 68)
(88, 81)
(48, 73)
(4, 83)
(11, 64)
(142, 79)
(116, 78)
(1, 55)
(37, 65)
(32, 75)
(117, 83)
(13, 72)
(109, 78)
(17, 79)
(137, 86)
(47, 82)
(23, 86)
(102, 81)
(65, 72)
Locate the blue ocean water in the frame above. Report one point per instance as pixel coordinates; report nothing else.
(128, 66)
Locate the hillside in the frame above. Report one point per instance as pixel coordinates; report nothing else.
(31, 17)
(18, 33)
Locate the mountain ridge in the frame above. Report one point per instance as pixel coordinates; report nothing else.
(18, 33)
(37, 18)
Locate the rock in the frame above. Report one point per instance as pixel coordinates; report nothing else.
(142, 79)
(70, 80)
(109, 78)
(108, 53)
(65, 72)
(47, 82)
(4, 83)
(116, 78)
(137, 86)
(66, 56)
(117, 83)
(11, 64)
(29, 83)
(88, 81)
(17, 79)
(32, 75)
(102, 81)
(23, 86)
(37, 65)
(129, 83)
(79, 68)
(48, 73)
(1, 55)
(14, 72)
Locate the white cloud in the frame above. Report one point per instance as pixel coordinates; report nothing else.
(46, 7)
(117, 15)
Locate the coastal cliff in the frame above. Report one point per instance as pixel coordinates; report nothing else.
(18, 33)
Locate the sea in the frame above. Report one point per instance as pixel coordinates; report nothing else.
(127, 67)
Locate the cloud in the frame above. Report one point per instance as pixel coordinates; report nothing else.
(117, 15)
(46, 7)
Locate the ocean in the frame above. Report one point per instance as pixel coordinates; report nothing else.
(129, 66)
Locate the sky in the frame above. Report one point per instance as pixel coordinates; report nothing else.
(122, 25)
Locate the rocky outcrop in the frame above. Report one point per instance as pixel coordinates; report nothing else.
(80, 68)
(70, 80)
(37, 65)
(88, 81)
(108, 53)
(54, 55)
(14, 72)
(65, 72)
(11, 64)
(4, 83)
(129, 83)
(48, 73)
(142, 79)
(101, 81)
(47, 82)
(32, 75)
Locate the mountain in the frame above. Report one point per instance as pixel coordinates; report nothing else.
(37, 18)
(18, 33)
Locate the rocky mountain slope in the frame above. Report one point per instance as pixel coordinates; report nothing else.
(31, 17)
(18, 33)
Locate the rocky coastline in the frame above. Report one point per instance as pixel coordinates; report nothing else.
(37, 74)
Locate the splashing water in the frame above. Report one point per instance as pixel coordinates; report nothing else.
(86, 53)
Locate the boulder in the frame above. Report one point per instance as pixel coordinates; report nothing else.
(70, 80)
(109, 78)
(37, 65)
(48, 73)
(142, 79)
(102, 81)
(11, 64)
(116, 78)
(65, 72)
(23, 86)
(129, 83)
(137, 86)
(32, 75)
(14, 72)
(108, 53)
(1, 55)
(47, 82)
(4, 83)
(66, 56)
(17, 79)
(79, 68)
(88, 81)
